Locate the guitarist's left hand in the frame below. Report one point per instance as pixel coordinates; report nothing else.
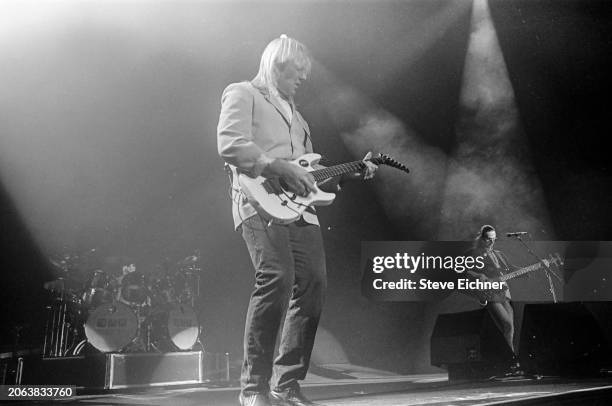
(371, 168)
(333, 184)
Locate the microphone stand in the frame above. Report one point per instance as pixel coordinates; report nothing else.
(547, 270)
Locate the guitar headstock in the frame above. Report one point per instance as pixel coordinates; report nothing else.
(384, 159)
(555, 260)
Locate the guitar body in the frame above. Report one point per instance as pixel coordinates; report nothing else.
(274, 202)
(485, 296)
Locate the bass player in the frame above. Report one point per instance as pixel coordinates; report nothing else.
(496, 264)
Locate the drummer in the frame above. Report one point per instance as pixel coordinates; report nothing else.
(132, 288)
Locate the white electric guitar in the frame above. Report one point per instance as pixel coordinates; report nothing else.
(274, 202)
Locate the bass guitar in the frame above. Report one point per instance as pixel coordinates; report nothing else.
(485, 296)
(274, 202)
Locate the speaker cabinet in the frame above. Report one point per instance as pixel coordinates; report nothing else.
(469, 345)
(562, 339)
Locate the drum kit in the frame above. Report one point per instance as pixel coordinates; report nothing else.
(122, 310)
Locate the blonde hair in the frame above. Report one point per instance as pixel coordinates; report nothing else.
(276, 55)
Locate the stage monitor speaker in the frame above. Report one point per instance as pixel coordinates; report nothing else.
(562, 339)
(116, 371)
(469, 345)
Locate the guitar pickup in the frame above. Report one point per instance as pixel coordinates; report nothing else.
(272, 186)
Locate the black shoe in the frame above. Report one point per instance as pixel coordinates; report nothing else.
(515, 370)
(513, 373)
(255, 399)
(290, 397)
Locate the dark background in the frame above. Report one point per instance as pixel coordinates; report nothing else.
(108, 117)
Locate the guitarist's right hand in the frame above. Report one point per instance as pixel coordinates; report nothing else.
(298, 180)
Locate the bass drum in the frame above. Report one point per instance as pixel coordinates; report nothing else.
(183, 326)
(111, 327)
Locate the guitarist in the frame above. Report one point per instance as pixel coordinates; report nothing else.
(259, 130)
(496, 264)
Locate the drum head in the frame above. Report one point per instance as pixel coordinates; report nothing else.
(95, 297)
(162, 291)
(133, 288)
(111, 327)
(183, 326)
(98, 280)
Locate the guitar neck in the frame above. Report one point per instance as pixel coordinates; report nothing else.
(337, 170)
(520, 272)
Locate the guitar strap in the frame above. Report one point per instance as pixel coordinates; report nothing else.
(502, 259)
(228, 170)
(233, 187)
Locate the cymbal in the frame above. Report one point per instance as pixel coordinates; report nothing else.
(67, 268)
(60, 264)
(70, 285)
(190, 260)
(74, 262)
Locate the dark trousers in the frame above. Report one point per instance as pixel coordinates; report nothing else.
(290, 282)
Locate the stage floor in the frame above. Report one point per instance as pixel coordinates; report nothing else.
(347, 385)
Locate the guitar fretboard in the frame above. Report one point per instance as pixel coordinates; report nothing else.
(337, 170)
(520, 272)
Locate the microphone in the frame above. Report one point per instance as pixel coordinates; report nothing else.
(516, 233)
